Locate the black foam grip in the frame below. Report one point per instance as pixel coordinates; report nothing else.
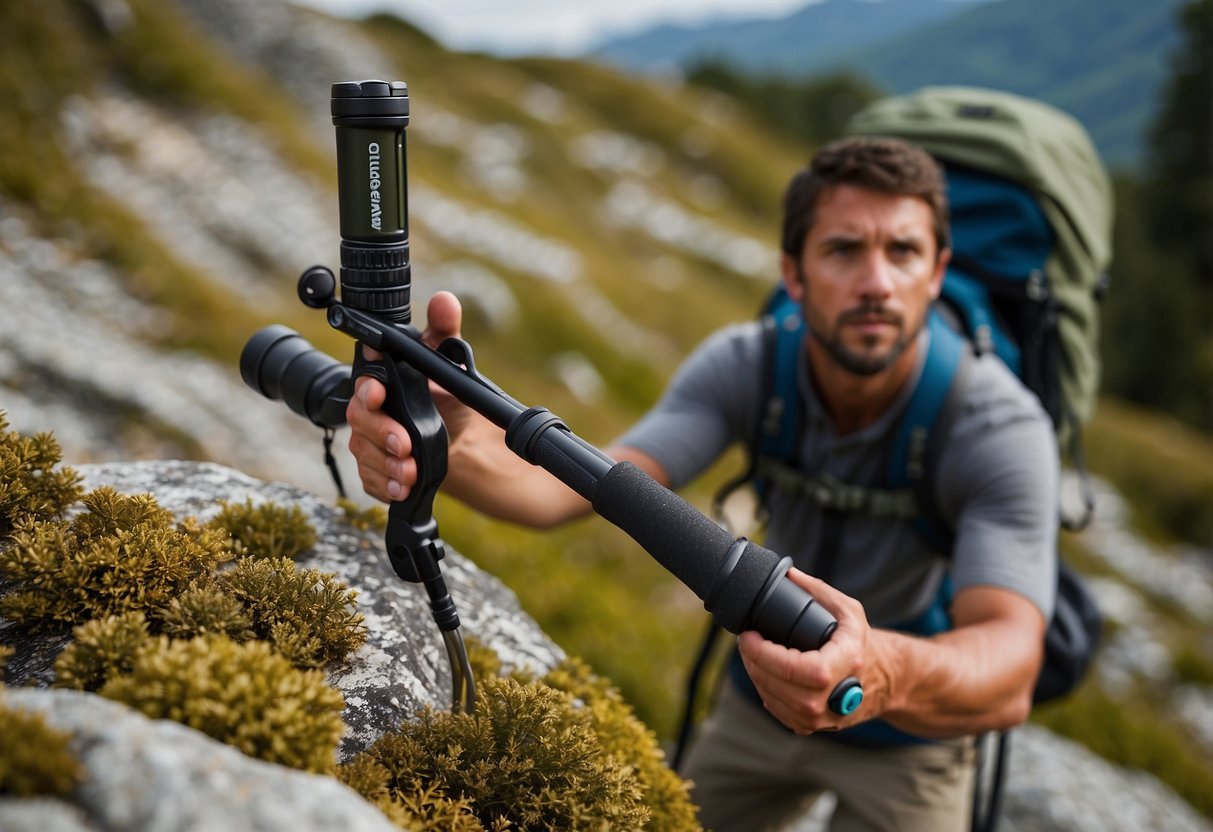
(669, 528)
(685, 542)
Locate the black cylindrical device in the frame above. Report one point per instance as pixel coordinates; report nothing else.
(279, 364)
(370, 119)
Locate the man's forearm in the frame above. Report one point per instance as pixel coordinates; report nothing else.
(977, 677)
(486, 475)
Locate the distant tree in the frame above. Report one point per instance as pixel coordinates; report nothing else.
(1179, 190)
(1151, 333)
(1157, 347)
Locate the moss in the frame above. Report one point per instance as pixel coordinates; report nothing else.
(371, 518)
(532, 745)
(245, 695)
(1193, 665)
(31, 487)
(415, 806)
(204, 610)
(267, 530)
(309, 616)
(102, 649)
(234, 654)
(631, 742)
(123, 554)
(525, 756)
(1163, 469)
(1133, 733)
(34, 758)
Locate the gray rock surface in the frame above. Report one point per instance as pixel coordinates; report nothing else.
(146, 775)
(403, 666)
(160, 776)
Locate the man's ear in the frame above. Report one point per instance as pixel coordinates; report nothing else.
(793, 277)
(941, 269)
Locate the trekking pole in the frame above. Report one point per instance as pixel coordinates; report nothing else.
(743, 585)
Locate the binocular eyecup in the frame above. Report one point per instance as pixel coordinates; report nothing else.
(281, 364)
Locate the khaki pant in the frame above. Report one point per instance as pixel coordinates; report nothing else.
(751, 774)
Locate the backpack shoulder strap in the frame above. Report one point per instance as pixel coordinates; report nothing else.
(779, 428)
(908, 492)
(778, 423)
(925, 426)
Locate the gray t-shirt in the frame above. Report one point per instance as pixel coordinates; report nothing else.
(996, 482)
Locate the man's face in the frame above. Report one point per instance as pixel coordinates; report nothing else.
(866, 276)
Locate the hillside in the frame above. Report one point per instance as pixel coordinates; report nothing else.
(167, 172)
(1104, 61)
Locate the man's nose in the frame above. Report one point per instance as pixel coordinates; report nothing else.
(876, 277)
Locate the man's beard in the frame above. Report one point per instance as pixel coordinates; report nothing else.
(863, 364)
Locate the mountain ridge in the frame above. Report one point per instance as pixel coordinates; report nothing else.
(1106, 68)
(770, 44)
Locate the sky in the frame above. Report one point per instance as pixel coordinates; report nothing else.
(554, 27)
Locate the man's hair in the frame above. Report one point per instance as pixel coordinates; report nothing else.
(877, 163)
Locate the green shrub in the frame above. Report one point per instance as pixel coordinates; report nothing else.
(102, 649)
(245, 695)
(124, 554)
(267, 530)
(30, 487)
(34, 757)
(309, 616)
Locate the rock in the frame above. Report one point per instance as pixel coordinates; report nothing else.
(163, 776)
(146, 775)
(1055, 784)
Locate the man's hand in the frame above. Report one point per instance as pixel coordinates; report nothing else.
(976, 677)
(795, 685)
(482, 471)
(379, 443)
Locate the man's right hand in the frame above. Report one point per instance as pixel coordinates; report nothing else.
(482, 471)
(378, 442)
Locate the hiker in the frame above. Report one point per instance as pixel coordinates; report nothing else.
(864, 252)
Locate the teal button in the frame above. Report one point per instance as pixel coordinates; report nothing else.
(850, 700)
(846, 696)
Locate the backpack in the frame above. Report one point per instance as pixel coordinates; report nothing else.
(1031, 216)
(1032, 212)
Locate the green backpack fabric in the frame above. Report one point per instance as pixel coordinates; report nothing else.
(1048, 153)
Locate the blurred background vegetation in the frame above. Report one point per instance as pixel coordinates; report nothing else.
(660, 197)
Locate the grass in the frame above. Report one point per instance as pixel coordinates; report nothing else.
(1163, 468)
(1136, 733)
